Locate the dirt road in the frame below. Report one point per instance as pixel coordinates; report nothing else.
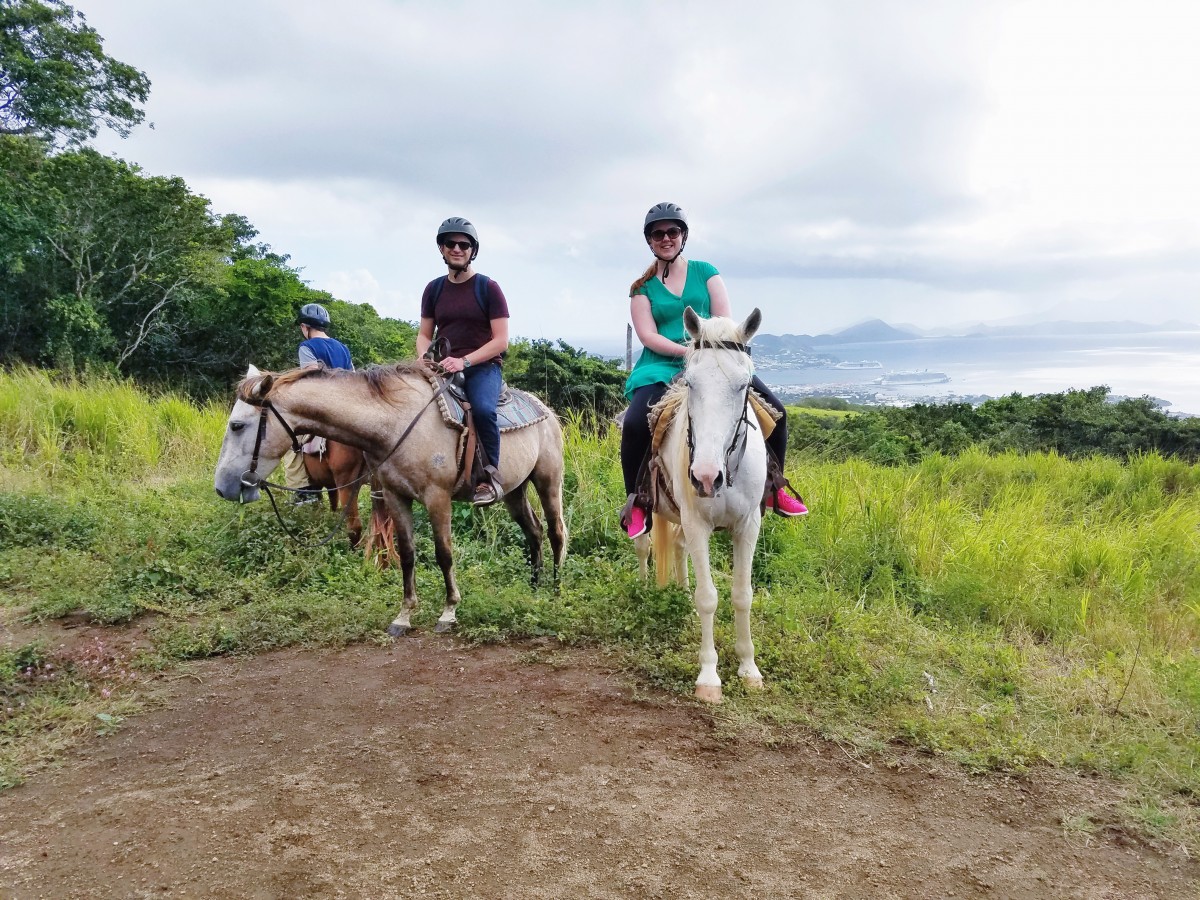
(432, 769)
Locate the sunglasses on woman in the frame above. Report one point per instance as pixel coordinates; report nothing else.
(457, 245)
(660, 234)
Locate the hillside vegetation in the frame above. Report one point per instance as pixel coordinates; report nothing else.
(1005, 610)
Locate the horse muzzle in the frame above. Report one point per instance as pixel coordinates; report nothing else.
(707, 480)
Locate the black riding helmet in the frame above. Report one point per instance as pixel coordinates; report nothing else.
(459, 225)
(666, 212)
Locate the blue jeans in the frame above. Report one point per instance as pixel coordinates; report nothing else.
(482, 385)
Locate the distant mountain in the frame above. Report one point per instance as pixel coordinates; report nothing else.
(873, 331)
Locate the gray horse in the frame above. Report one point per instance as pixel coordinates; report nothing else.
(370, 410)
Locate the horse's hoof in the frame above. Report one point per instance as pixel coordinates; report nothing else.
(443, 627)
(753, 684)
(709, 693)
(397, 630)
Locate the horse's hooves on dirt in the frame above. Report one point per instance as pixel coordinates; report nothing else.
(708, 693)
(397, 630)
(443, 627)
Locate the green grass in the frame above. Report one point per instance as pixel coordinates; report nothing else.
(1003, 611)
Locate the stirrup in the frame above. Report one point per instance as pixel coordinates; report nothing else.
(630, 515)
(785, 504)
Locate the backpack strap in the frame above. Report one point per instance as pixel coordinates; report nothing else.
(482, 283)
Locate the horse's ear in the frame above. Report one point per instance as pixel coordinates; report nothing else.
(750, 327)
(254, 388)
(252, 371)
(691, 322)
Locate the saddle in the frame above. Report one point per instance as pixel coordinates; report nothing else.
(515, 410)
(653, 491)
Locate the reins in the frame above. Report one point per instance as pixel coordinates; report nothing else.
(251, 478)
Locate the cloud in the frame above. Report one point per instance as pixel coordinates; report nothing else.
(871, 159)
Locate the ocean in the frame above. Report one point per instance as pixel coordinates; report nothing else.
(1164, 365)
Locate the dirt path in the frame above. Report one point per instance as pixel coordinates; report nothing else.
(437, 770)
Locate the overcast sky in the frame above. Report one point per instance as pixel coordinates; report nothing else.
(923, 162)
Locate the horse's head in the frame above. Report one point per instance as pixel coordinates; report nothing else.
(250, 433)
(717, 375)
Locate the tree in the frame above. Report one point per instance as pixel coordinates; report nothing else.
(100, 259)
(55, 79)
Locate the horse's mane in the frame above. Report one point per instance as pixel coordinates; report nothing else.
(382, 380)
(715, 330)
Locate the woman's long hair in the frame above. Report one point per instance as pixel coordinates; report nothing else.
(641, 282)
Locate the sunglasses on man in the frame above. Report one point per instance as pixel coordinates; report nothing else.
(457, 245)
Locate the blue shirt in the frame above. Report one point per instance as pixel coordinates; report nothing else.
(327, 350)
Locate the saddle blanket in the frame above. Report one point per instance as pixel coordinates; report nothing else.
(516, 409)
(664, 411)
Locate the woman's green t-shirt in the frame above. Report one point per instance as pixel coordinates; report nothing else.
(667, 309)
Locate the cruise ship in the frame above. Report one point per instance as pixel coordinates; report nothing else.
(922, 377)
(861, 364)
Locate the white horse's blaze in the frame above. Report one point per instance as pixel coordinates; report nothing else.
(717, 378)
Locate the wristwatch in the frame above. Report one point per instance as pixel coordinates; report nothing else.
(466, 363)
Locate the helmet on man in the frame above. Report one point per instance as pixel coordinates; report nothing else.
(459, 225)
(314, 315)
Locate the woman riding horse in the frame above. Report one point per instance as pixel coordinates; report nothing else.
(656, 304)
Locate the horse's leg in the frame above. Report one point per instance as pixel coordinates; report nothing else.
(400, 510)
(349, 497)
(681, 558)
(547, 477)
(745, 538)
(708, 684)
(517, 501)
(642, 545)
(437, 503)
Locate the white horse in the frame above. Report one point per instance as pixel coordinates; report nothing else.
(714, 460)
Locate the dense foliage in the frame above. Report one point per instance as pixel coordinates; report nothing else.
(1074, 423)
(105, 268)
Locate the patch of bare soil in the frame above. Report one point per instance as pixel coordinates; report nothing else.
(438, 770)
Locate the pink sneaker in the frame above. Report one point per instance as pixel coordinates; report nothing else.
(788, 505)
(639, 522)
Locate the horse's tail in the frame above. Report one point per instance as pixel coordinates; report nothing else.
(666, 548)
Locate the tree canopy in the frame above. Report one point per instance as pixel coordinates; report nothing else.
(56, 81)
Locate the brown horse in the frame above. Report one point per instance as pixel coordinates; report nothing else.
(339, 470)
(371, 410)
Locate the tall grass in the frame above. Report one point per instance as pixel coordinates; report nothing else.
(1004, 610)
(51, 427)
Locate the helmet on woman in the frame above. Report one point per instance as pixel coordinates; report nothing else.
(314, 315)
(459, 225)
(665, 212)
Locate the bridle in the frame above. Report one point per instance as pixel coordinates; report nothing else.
(251, 478)
(737, 444)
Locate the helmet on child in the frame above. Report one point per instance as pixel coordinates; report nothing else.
(314, 315)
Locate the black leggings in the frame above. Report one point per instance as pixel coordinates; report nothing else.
(635, 431)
